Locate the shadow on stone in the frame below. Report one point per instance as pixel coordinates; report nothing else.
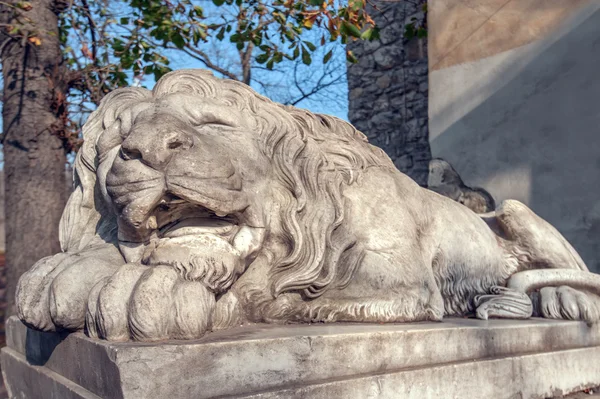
(40, 345)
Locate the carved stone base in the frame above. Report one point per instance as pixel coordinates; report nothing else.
(458, 358)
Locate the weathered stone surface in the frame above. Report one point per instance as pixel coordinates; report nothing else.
(463, 31)
(28, 381)
(478, 359)
(391, 78)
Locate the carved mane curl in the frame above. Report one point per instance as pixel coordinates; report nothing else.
(313, 156)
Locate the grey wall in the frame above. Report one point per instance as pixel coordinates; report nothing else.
(525, 124)
(388, 89)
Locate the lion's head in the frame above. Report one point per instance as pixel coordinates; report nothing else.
(203, 174)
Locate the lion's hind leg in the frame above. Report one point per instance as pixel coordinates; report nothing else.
(552, 280)
(536, 242)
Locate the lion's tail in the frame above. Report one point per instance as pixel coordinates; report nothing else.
(531, 280)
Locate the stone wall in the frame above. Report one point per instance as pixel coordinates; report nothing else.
(388, 89)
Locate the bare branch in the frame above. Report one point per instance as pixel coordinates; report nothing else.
(88, 15)
(203, 57)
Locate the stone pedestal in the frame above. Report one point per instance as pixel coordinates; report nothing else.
(459, 358)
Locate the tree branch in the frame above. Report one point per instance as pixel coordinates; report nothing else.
(203, 57)
(88, 15)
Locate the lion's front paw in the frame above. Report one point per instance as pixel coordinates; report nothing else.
(209, 260)
(149, 303)
(33, 292)
(566, 303)
(53, 294)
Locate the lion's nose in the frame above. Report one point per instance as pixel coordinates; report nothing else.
(155, 150)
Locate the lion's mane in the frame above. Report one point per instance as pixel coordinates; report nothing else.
(313, 156)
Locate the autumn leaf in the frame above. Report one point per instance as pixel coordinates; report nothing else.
(350, 57)
(86, 51)
(35, 40)
(25, 6)
(307, 23)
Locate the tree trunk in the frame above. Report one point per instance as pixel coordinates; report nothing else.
(34, 159)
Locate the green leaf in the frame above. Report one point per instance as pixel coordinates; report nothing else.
(199, 34)
(270, 64)
(349, 29)
(118, 46)
(355, 5)
(159, 71)
(311, 46)
(219, 2)
(375, 34)
(221, 33)
(124, 21)
(296, 52)
(327, 57)
(306, 56)
(366, 35)
(421, 33)
(178, 40)
(409, 31)
(262, 58)
(289, 34)
(236, 37)
(315, 2)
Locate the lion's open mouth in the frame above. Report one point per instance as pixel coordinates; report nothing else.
(176, 217)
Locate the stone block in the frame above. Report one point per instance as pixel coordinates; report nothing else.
(457, 358)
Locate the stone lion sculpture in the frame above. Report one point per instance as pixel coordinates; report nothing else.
(201, 205)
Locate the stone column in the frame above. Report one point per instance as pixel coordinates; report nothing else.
(388, 89)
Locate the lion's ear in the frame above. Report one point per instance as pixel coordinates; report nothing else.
(87, 219)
